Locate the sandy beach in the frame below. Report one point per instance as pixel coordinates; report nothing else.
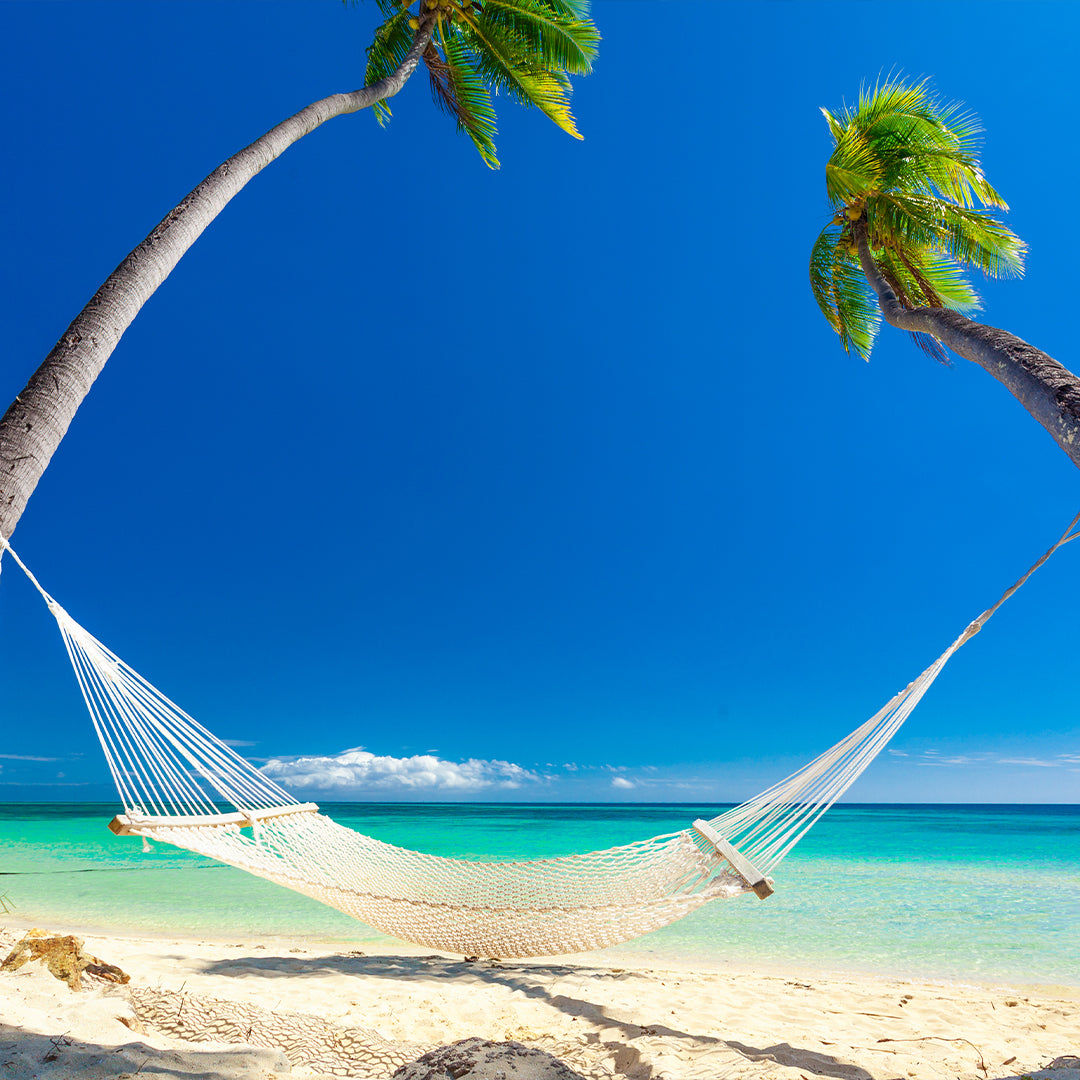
(246, 1009)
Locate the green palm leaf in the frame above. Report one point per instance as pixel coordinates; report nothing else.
(387, 52)
(927, 279)
(906, 164)
(842, 292)
(836, 125)
(525, 50)
(475, 114)
(554, 34)
(970, 236)
(511, 66)
(852, 170)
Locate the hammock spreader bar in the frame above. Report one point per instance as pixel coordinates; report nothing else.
(750, 874)
(135, 825)
(172, 774)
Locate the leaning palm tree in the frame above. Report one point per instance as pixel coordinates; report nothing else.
(913, 210)
(526, 49)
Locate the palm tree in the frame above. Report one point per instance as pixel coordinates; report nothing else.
(524, 48)
(904, 181)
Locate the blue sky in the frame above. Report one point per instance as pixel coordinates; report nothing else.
(545, 483)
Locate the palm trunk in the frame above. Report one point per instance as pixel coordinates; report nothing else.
(38, 419)
(1049, 391)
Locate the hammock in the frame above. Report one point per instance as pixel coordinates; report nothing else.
(173, 775)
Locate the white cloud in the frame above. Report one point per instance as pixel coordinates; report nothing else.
(46, 783)
(358, 768)
(1028, 761)
(239, 742)
(621, 783)
(27, 757)
(987, 758)
(960, 759)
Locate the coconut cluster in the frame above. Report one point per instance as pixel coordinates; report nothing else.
(441, 8)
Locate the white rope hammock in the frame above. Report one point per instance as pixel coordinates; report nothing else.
(174, 776)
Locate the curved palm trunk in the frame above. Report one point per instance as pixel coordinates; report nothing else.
(1047, 389)
(38, 419)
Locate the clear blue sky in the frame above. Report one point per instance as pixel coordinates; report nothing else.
(559, 467)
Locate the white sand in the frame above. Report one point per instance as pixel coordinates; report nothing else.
(604, 1021)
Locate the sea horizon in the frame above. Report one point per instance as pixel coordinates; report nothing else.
(310, 797)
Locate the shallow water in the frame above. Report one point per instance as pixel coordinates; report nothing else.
(976, 892)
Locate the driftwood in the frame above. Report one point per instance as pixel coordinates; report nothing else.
(64, 957)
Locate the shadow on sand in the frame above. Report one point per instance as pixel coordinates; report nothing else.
(29, 1053)
(535, 981)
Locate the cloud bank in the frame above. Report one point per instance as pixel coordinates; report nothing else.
(358, 768)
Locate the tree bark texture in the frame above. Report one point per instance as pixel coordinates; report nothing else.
(1047, 389)
(38, 419)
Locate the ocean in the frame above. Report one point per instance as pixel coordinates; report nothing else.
(985, 893)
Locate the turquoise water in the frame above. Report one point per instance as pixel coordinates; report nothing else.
(968, 892)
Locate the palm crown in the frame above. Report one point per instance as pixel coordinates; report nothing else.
(525, 49)
(904, 164)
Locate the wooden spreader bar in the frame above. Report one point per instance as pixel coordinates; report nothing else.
(754, 878)
(124, 825)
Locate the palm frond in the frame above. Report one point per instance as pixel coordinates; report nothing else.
(512, 70)
(930, 345)
(386, 53)
(853, 169)
(970, 236)
(977, 238)
(551, 34)
(821, 267)
(836, 125)
(946, 281)
(841, 291)
(442, 85)
(926, 279)
(549, 91)
(475, 114)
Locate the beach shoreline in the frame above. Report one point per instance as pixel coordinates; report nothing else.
(627, 956)
(605, 1015)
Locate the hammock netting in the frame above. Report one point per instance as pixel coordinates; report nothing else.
(182, 785)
